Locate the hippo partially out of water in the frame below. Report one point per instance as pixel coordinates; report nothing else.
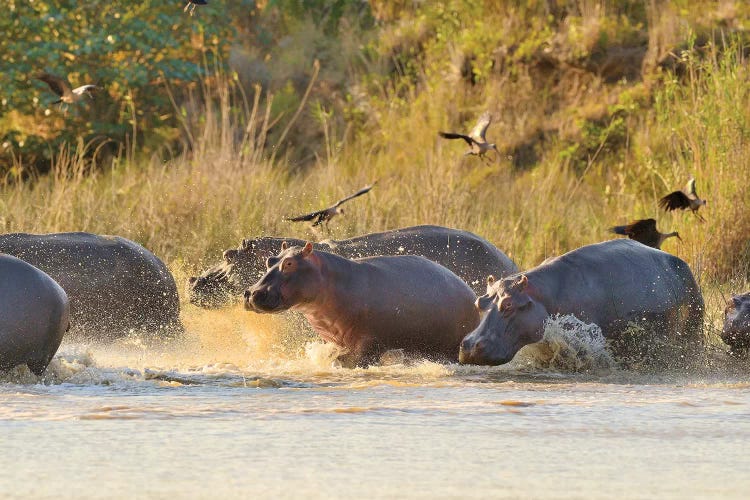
(371, 305)
(614, 284)
(115, 286)
(469, 256)
(34, 315)
(736, 332)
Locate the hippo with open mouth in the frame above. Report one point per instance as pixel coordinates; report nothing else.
(736, 331)
(34, 315)
(371, 305)
(613, 284)
(467, 255)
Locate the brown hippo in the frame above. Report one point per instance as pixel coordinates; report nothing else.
(611, 284)
(736, 332)
(469, 256)
(34, 315)
(371, 305)
(115, 286)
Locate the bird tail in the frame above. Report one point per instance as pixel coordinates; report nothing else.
(623, 230)
(57, 101)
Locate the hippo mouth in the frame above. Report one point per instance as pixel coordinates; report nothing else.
(213, 290)
(267, 305)
(466, 357)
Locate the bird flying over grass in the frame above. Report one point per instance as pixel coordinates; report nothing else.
(61, 87)
(327, 214)
(683, 199)
(477, 139)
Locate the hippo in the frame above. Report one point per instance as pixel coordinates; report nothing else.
(736, 331)
(34, 315)
(371, 305)
(467, 255)
(115, 286)
(613, 284)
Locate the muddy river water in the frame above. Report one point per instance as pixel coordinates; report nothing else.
(229, 413)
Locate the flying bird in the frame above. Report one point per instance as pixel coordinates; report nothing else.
(191, 5)
(644, 231)
(327, 214)
(683, 199)
(61, 87)
(477, 139)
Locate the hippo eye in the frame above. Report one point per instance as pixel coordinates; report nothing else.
(287, 265)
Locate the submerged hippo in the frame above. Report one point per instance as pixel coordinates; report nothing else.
(736, 332)
(115, 286)
(371, 305)
(34, 315)
(611, 284)
(469, 256)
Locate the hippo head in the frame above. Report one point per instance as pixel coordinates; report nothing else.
(511, 319)
(292, 277)
(736, 332)
(223, 283)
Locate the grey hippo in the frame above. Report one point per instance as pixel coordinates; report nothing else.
(736, 331)
(34, 315)
(115, 286)
(371, 305)
(469, 256)
(611, 284)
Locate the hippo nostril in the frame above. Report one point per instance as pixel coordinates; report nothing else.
(248, 294)
(192, 280)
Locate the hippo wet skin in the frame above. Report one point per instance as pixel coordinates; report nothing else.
(114, 285)
(612, 284)
(34, 315)
(371, 305)
(736, 331)
(467, 255)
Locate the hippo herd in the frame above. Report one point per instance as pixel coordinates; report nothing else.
(413, 289)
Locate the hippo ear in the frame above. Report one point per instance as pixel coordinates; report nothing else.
(521, 284)
(284, 245)
(230, 255)
(307, 250)
(245, 244)
(484, 302)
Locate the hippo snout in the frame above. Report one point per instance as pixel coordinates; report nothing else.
(261, 299)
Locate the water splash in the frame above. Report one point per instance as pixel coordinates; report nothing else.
(568, 345)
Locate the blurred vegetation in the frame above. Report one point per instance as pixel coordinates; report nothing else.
(223, 121)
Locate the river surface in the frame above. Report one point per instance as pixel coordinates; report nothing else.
(228, 412)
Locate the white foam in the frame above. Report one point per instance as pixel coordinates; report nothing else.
(568, 345)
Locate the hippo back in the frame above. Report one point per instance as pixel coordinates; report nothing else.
(469, 256)
(115, 286)
(34, 315)
(619, 281)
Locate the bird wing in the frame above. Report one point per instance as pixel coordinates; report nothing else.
(58, 85)
(362, 191)
(480, 129)
(675, 200)
(84, 88)
(690, 187)
(451, 135)
(306, 217)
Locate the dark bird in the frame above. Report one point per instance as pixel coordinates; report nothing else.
(191, 5)
(61, 87)
(327, 214)
(683, 199)
(644, 231)
(477, 139)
